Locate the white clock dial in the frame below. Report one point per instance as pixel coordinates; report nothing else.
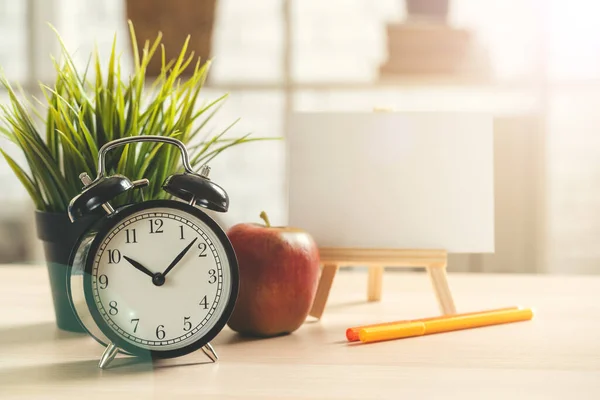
(161, 279)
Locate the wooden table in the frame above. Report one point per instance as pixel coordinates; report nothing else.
(557, 355)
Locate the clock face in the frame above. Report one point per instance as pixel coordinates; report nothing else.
(161, 279)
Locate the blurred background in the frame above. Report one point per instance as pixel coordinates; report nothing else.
(533, 64)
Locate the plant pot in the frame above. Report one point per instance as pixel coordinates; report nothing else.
(176, 20)
(59, 236)
(434, 9)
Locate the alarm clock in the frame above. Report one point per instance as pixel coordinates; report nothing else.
(156, 278)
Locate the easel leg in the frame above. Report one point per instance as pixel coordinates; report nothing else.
(375, 280)
(325, 282)
(441, 288)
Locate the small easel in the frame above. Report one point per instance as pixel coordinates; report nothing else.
(333, 258)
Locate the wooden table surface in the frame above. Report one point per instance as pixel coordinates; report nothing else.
(555, 356)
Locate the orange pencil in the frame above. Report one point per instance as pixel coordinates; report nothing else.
(352, 333)
(443, 324)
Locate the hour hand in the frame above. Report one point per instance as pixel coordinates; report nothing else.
(139, 266)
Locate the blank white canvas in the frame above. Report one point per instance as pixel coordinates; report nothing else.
(393, 180)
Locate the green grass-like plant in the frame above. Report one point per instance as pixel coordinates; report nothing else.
(82, 114)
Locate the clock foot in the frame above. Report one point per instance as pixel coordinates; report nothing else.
(210, 352)
(109, 354)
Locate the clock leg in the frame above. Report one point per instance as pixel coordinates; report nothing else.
(109, 354)
(210, 352)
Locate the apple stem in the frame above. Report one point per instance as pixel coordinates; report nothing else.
(265, 218)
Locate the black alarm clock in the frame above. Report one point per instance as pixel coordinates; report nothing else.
(157, 278)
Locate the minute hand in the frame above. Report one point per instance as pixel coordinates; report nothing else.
(179, 257)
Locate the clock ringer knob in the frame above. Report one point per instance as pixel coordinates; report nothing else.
(85, 179)
(205, 171)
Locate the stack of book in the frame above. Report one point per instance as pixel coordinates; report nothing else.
(427, 48)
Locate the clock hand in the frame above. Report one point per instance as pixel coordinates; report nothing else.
(139, 266)
(179, 257)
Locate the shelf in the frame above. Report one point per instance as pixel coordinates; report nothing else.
(416, 82)
(440, 83)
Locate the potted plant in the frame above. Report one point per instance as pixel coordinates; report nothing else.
(82, 114)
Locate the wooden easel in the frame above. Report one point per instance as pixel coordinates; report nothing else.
(333, 258)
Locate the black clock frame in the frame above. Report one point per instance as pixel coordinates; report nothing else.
(105, 226)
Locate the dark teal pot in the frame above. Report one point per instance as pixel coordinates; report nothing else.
(59, 237)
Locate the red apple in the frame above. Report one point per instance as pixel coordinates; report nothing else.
(279, 270)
